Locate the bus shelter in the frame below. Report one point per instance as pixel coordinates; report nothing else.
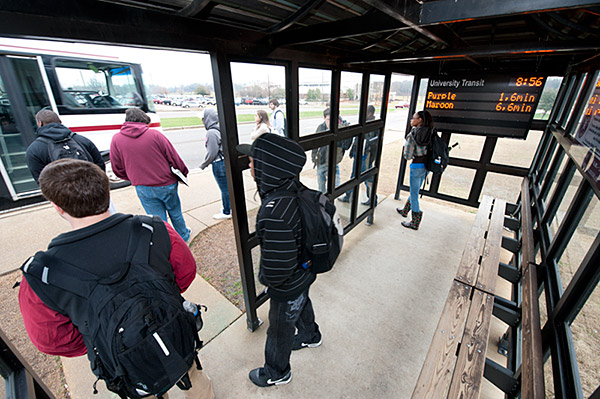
(479, 66)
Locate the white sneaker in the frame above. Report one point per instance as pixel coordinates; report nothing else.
(221, 216)
(190, 237)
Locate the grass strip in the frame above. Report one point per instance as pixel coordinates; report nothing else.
(196, 121)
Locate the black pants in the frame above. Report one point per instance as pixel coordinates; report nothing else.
(284, 318)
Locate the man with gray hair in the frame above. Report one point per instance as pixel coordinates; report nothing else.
(56, 141)
(145, 156)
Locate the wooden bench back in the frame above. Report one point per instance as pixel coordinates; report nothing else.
(532, 360)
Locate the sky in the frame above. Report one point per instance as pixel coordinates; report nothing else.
(176, 68)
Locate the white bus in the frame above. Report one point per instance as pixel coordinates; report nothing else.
(90, 93)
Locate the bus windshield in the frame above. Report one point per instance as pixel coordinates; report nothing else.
(86, 84)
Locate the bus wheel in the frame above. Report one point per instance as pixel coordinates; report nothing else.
(115, 182)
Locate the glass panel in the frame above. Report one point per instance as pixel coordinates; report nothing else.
(517, 152)
(558, 153)
(256, 265)
(343, 205)
(370, 147)
(253, 86)
(364, 201)
(579, 243)
(502, 186)
(586, 339)
(565, 202)
(31, 84)
(346, 155)
(543, 308)
(350, 89)
(314, 88)
(456, 181)
(548, 97)
(308, 176)
(319, 157)
(577, 92)
(400, 90)
(586, 130)
(469, 146)
(422, 94)
(97, 85)
(549, 378)
(375, 97)
(12, 142)
(149, 100)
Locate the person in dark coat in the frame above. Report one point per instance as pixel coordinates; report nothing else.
(50, 127)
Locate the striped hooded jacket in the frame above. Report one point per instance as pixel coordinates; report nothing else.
(277, 163)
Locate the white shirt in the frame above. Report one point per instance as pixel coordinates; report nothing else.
(278, 121)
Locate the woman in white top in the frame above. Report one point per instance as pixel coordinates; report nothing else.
(262, 124)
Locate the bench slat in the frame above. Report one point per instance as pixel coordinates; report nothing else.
(468, 374)
(490, 262)
(532, 366)
(436, 373)
(466, 272)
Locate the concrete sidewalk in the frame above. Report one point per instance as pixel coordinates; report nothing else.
(377, 309)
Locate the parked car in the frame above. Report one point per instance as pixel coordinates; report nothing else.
(191, 104)
(302, 102)
(402, 104)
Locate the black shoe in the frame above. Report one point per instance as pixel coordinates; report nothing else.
(258, 377)
(345, 198)
(297, 345)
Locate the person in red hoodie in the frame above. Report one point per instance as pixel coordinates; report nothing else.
(55, 319)
(144, 156)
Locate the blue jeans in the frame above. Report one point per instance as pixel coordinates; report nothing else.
(417, 177)
(322, 176)
(218, 168)
(284, 318)
(160, 200)
(362, 169)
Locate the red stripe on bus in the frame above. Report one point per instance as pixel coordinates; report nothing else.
(103, 127)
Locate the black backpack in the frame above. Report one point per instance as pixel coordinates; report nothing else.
(66, 148)
(139, 337)
(322, 230)
(284, 122)
(438, 154)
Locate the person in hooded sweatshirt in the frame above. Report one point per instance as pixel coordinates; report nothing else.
(50, 127)
(214, 156)
(275, 163)
(144, 156)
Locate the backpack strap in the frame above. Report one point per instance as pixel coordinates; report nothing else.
(59, 273)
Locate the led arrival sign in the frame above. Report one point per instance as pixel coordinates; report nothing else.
(501, 106)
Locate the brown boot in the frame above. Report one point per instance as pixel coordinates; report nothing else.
(404, 211)
(415, 222)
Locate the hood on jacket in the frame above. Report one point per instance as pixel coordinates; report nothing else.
(210, 119)
(277, 161)
(423, 135)
(54, 131)
(134, 129)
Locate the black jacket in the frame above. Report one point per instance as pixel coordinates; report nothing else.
(277, 163)
(37, 155)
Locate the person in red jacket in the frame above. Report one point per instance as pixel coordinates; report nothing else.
(79, 191)
(144, 156)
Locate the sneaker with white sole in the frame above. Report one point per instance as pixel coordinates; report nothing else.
(190, 236)
(221, 215)
(297, 345)
(259, 377)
